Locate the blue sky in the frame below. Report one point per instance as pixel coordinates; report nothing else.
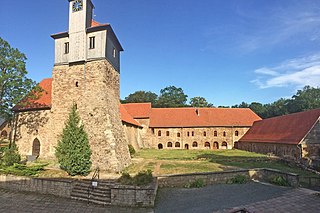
(227, 51)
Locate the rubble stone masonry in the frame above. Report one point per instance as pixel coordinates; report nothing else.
(94, 88)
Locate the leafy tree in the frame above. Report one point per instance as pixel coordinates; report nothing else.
(242, 105)
(141, 97)
(199, 102)
(258, 108)
(172, 96)
(305, 99)
(10, 156)
(14, 85)
(73, 150)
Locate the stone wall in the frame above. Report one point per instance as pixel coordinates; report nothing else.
(310, 148)
(31, 126)
(133, 136)
(280, 150)
(94, 87)
(224, 177)
(61, 188)
(5, 131)
(142, 196)
(187, 136)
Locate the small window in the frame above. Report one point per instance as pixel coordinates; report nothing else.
(195, 144)
(192, 133)
(77, 84)
(188, 134)
(169, 144)
(236, 133)
(178, 135)
(167, 133)
(204, 134)
(207, 144)
(159, 133)
(114, 52)
(177, 144)
(224, 134)
(66, 48)
(160, 146)
(215, 134)
(92, 42)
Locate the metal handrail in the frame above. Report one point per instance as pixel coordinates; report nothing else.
(95, 176)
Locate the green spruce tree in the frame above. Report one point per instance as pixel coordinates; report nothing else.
(73, 150)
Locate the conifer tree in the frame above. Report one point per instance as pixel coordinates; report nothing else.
(73, 150)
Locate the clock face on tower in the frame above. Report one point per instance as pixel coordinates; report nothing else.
(77, 5)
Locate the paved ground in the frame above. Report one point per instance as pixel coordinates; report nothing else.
(16, 202)
(223, 198)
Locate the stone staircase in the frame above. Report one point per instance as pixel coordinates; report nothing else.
(84, 191)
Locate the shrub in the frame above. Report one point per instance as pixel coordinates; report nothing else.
(142, 178)
(279, 180)
(23, 170)
(131, 150)
(73, 150)
(10, 156)
(239, 179)
(199, 183)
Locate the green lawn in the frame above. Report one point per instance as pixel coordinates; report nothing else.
(190, 161)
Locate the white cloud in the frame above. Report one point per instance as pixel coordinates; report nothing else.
(295, 72)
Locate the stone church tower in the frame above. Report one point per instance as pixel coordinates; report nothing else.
(87, 72)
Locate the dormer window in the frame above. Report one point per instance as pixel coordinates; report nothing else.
(92, 42)
(66, 48)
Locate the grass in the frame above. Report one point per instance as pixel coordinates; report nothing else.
(191, 161)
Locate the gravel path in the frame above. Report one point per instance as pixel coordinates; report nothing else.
(215, 197)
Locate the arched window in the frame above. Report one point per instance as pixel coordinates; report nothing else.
(186, 146)
(224, 134)
(160, 146)
(204, 133)
(207, 144)
(159, 133)
(236, 133)
(195, 144)
(177, 144)
(188, 134)
(215, 133)
(169, 144)
(192, 133)
(167, 133)
(178, 135)
(4, 134)
(224, 145)
(215, 145)
(36, 147)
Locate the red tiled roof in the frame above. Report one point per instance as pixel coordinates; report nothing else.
(44, 100)
(138, 110)
(95, 23)
(201, 117)
(287, 129)
(126, 117)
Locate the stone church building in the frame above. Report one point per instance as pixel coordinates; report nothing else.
(86, 72)
(295, 136)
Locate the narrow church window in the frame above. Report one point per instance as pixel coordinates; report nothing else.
(114, 52)
(236, 133)
(77, 84)
(159, 133)
(178, 135)
(177, 144)
(169, 144)
(188, 134)
(224, 134)
(167, 133)
(66, 48)
(92, 42)
(204, 134)
(195, 144)
(215, 133)
(192, 133)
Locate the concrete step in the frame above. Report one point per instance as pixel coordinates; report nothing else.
(105, 202)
